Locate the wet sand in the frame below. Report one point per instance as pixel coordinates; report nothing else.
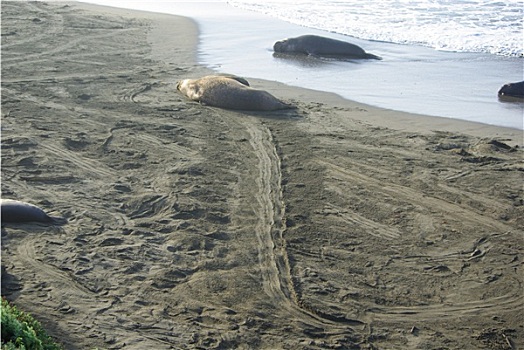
(335, 225)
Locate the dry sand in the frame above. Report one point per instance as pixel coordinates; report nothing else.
(336, 225)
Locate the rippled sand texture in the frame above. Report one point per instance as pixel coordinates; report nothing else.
(196, 227)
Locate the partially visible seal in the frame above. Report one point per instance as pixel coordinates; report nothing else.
(17, 211)
(512, 90)
(235, 77)
(229, 92)
(320, 46)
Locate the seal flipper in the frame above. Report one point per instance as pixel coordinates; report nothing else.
(371, 56)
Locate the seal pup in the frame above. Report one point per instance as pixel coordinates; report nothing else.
(229, 92)
(315, 45)
(515, 90)
(17, 211)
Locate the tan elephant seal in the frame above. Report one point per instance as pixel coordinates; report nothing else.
(229, 92)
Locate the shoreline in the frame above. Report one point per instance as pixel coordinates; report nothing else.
(409, 78)
(335, 225)
(426, 75)
(415, 122)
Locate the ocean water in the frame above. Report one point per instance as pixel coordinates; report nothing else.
(411, 77)
(488, 26)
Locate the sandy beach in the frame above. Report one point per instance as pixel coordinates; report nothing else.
(332, 226)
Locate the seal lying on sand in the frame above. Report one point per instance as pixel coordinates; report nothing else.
(16, 211)
(320, 46)
(229, 92)
(512, 90)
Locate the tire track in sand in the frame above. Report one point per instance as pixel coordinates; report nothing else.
(32, 10)
(65, 297)
(510, 300)
(413, 196)
(506, 302)
(272, 255)
(90, 165)
(60, 30)
(269, 209)
(27, 254)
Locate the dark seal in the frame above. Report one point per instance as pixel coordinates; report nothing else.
(315, 45)
(515, 90)
(17, 211)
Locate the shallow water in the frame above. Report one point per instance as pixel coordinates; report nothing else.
(409, 78)
(488, 26)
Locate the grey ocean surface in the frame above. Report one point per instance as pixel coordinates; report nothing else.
(409, 78)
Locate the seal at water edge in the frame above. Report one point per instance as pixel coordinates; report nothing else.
(229, 92)
(512, 90)
(17, 211)
(315, 45)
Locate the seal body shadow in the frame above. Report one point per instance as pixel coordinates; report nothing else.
(315, 45)
(17, 211)
(230, 93)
